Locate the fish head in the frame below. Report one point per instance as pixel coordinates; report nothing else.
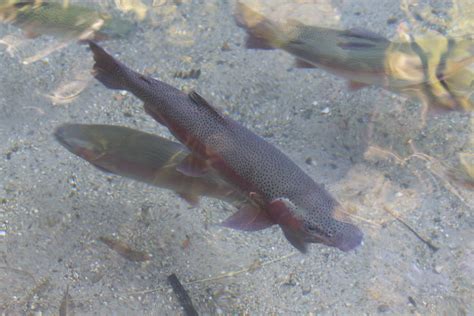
(331, 232)
(302, 225)
(84, 141)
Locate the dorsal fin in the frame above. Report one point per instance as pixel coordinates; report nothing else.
(200, 101)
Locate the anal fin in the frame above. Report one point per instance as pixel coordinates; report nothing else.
(249, 218)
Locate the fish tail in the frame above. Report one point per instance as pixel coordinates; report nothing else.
(109, 71)
(262, 33)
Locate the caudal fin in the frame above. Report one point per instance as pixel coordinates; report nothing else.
(262, 33)
(108, 70)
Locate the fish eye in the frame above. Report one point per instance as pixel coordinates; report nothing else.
(315, 230)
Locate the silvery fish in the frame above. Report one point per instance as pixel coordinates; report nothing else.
(71, 21)
(434, 69)
(144, 157)
(284, 195)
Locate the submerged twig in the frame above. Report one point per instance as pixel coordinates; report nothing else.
(182, 295)
(397, 217)
(66, 306)
(252, 267)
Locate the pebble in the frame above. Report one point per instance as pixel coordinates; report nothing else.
(326, 110)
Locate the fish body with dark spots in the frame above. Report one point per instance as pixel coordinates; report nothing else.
(285, 195)
(63, 21)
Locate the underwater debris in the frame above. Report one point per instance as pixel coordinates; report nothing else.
(424, 240)
(66, 307)
(182, 295)
(125, 250)
(191, 74)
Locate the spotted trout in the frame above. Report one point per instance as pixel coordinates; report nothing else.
(64, 21)
(144, 157)
(284, 194)
(432, 69)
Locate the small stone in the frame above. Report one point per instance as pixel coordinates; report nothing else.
(326, 110)
(383, 308)
(438, 268)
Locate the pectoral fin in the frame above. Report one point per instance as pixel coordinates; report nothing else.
(295, 238)
(249, 218)
(193, 166)
(192, 199)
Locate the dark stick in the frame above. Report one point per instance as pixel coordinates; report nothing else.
(182, 295)
(427, 242)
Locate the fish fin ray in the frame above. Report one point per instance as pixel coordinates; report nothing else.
(300, 63)
(193, 166)
(106, 69)
(295, 239)
(200, 101)
(103, 169)
(248, 218)
(262, 33)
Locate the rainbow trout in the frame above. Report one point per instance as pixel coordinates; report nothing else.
(37, 18)
(432, 69)
(144, 157)
(283, 193)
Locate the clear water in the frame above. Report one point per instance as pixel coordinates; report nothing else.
(405, 178)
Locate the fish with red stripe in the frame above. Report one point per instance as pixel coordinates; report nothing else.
(282, 194)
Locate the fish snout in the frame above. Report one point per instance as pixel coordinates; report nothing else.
(76, 139)
(349, 238)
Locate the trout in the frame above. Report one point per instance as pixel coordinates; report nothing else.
(71, 21)
(432, 69)
(144, 157)
(283, 193)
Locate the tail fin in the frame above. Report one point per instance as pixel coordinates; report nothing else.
(107, 70)
(262, 33)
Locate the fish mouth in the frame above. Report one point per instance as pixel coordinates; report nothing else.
(73, 138)
(61, 135)
(348, 241)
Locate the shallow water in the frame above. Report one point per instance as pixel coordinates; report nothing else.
(369, 148)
